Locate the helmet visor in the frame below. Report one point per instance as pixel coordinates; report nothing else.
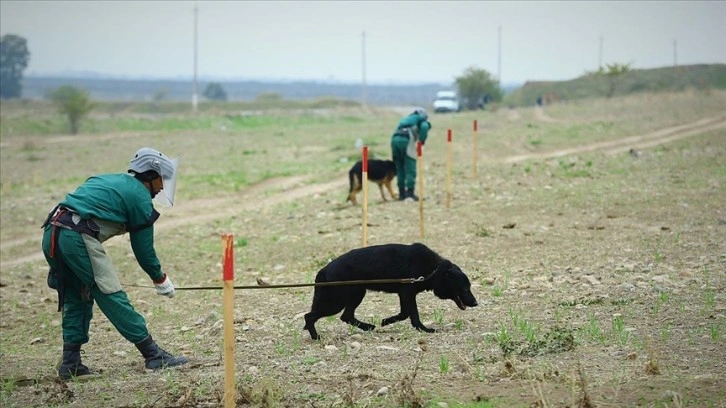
(168, 178)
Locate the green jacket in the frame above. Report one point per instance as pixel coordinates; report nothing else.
(124, 203)
(419, 126)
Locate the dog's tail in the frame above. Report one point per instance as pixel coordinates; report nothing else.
(352, 181)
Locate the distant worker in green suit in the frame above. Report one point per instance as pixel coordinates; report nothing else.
(411, 129)
(104, 206)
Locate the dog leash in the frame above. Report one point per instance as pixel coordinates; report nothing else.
(294, 285)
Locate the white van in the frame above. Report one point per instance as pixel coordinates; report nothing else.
(446, 101)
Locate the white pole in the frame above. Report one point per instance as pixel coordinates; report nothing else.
(499, 63)
(599, 55)
(194, 90)
(363, 85)
(675, 53)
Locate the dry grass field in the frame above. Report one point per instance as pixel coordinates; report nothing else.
(594, 234)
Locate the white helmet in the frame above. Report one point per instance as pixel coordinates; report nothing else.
(148, 159)
(421, 112)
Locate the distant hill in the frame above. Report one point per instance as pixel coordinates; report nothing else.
(136, 90)
(140, 90)
(702, 76)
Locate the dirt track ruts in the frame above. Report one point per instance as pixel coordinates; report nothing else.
(632, 142)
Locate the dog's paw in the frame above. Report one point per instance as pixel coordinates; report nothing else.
(426, 329)
(366, 327)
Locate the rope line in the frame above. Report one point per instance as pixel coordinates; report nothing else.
(297, 285)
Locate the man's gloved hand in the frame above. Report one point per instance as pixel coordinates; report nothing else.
(164, 287)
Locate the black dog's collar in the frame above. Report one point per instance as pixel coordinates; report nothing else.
(423, 279)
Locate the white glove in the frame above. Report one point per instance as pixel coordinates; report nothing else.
(164, 287)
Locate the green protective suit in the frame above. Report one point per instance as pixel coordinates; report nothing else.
(410, 129)
(117, 203)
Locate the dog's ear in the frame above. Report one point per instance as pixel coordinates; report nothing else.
(443, 267)
(452, 271)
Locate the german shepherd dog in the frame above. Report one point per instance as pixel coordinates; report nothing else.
(388, 261)
(380, 172)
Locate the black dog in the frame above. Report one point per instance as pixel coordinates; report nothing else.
(389, 261)
(380, 172)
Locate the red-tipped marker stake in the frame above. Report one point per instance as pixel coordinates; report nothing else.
(474, 149)
(448, 168)
(228, 301)
(419, 165)
(364, 180)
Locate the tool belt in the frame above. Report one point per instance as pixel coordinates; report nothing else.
(66, 218)
(62, 217)
(404, 132)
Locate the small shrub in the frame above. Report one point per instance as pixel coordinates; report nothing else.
(72, 102)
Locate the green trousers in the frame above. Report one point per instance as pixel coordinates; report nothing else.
(78, 306)
(405, 165)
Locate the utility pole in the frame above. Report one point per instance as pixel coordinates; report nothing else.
(675, 53)
(599, 55)
(499, 59)
(194, 88)
(363, 85)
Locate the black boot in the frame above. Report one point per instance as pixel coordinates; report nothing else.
(155, 357)
(411, 195)
(401, 193)
(70, 366)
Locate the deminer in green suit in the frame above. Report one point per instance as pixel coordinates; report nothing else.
(102, 207)
(411, 129)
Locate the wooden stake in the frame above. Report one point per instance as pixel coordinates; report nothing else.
(228, 301)
(474, 149)
(419, 165)
(448, 169)
(364, 180)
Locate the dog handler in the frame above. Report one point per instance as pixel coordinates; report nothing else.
(104, 206)
(411, 129)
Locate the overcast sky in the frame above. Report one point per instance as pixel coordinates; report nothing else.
(406, 41)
